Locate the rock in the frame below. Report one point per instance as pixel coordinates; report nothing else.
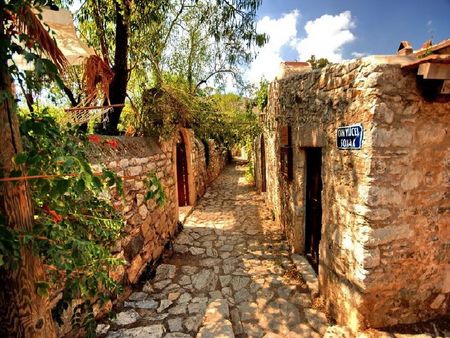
(228, 268)
(205, 279)
(157, 317)
(239, 282)
(162, 284)
(225, 280)
(196, 308)
(253, 330)
(143, 211)
(148, 288)
(178, 310)
(190, 270)
(248, 311)
(184, 239)
(146, 304)
(273, 335)
(175, 324)
(317, 320)
(437, 302)
(193, 323)
(215, 295)
(184, 298)
(126, 317)
(165, 303)
(226, 248)
(210, 252)
(102, 329)
(236, 320)
(336, 331)
(196, 251)
(242, 296)
(185, 280)
(200, 300)
(152, 331)
(173, 296)
(165, 271)
(172, 288)
(178, 248)
(285, 291)
(177, 335)
(138, 296)
(302, 299)
(215, 323)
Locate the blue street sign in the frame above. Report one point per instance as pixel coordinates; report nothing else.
(350, 137)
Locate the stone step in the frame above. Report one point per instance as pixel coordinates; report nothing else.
(216, 323)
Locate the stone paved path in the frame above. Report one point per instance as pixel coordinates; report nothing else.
(230, 250)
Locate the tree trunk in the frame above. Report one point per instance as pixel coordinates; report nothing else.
(23, 313)
(118, 88)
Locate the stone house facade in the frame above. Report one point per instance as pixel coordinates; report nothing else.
(373, 218)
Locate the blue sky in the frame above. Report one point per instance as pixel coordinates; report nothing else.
(344, 29)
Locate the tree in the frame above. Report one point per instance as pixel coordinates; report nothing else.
(154, 28)
(23, 312)
(318, 63)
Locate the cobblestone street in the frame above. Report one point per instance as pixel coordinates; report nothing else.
(230, 275)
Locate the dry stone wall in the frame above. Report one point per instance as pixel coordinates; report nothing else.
(385, 247)
(149, 226)
(205, 173)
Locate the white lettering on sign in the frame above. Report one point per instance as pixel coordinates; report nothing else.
(350, 137)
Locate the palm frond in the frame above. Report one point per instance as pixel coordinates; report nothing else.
(28, 23)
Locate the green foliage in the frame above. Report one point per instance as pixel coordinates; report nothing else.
(250, 173)
(9, 246)
(262, 95)
(155, 189)
(75, 226)
(164, 109)
(318, 63)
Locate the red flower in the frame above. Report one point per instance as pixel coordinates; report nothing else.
(113, 143)
(55, 216)
(94, 138)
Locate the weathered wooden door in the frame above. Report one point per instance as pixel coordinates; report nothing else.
(182, 174)
(313, 215)
(263, 165)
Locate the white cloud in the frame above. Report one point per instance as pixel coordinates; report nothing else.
(326, 36)
(358, 55)
(282, 32)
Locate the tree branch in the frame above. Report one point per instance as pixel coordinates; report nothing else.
(212, 74)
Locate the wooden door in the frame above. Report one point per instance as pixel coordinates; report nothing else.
(313, 215)
(263, 165)
(182, 174)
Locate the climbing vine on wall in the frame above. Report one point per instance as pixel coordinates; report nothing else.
(155, 189)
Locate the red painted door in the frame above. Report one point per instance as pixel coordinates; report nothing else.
(182, 175)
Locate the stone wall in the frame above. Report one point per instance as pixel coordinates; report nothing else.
(385, 247)
(205, 173)
(148, 226)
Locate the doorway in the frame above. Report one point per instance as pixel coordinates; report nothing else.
(263, 165)
(182, 173)
(313, 205)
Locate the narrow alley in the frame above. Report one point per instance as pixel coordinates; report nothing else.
(230, 262)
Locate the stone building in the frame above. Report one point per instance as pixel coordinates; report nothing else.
(354, 160)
